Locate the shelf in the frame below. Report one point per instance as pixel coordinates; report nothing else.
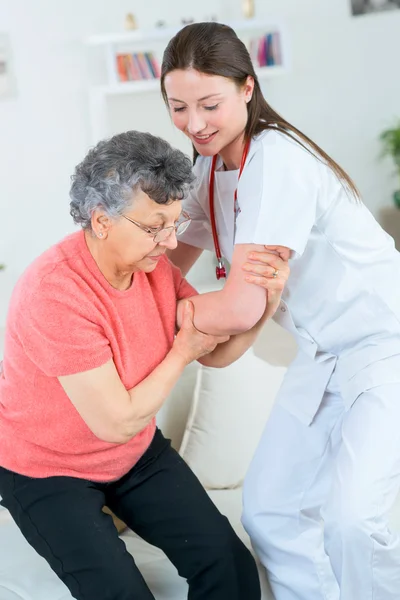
(126, 37)
(153, 85)
(166, 33)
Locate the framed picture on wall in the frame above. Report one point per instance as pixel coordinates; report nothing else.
(364, 7)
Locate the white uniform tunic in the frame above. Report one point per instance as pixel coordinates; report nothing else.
(342, 300)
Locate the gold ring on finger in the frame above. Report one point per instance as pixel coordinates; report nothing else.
(275, 274)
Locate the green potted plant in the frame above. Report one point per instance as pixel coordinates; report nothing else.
(390, 139)
(2, 267)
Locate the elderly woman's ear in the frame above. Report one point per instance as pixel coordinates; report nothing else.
(100, 224)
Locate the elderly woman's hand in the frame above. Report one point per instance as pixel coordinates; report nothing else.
(270, 270)
(191, 343)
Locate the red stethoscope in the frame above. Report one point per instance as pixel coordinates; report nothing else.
(220, 269)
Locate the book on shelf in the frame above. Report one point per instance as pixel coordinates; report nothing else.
(266, 51)
(137, 66)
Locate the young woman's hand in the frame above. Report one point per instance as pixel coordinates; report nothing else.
(270, 270)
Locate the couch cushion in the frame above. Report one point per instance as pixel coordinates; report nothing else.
(230, 408)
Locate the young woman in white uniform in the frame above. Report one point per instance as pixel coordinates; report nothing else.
(327, 471)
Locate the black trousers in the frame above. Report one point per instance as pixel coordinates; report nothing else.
(161, 500)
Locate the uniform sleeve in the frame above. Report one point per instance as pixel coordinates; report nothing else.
(59, 332)
(277, 195)
(199, 233)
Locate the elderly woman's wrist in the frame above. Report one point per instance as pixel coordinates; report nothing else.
(179, 357)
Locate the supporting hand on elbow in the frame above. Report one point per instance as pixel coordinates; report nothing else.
(190, 343)
(270, 270)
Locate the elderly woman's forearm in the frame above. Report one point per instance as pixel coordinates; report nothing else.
(149, 395)
(113, 413)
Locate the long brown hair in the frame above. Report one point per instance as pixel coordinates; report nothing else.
(215, 49)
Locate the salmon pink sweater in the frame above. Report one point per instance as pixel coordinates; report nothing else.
(65, 318)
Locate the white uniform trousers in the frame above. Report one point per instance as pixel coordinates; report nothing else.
(317, 499)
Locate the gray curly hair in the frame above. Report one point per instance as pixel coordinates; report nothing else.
(116, 168)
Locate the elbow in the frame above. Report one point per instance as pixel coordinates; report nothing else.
(117, 432)
(215, 362)
(245, 317)
(245, 322)
(243, 310)
(118, 437)
(126, 431)
(112, 436)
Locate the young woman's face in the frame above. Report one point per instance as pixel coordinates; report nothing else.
(209, 109)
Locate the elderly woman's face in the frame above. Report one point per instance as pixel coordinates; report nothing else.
(133, 248)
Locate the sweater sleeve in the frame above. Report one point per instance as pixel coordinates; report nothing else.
(182, 287)
(61, 331)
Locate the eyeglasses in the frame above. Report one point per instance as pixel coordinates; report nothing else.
(163, 233)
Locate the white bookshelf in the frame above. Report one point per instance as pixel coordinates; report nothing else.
(166, 33)
(108, 45)
(149, 85)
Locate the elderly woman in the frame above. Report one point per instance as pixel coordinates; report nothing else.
(91, 354)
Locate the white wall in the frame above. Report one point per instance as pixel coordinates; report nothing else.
(342, 90)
